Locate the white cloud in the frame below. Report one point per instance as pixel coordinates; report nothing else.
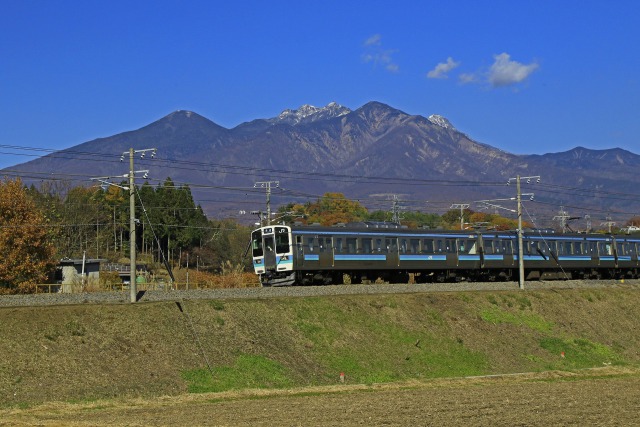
(374, 40)
(393, 68)
(441, 70)
(377, 55)
(466, 78)
(505, 72)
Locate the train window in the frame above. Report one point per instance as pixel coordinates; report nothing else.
(324, 244)
(506, 246)
(378, 246)
(604, 248)
(450, 246)
(470, 246)
(592, 248)
(310, 243)
(366, 245)
(427, 246)
(414, 246)
(439, 246)
(282, 243)
(391, 244)
(328, 243)
(488, 246)
(543, 247)
(256, 244)
(622, 248)
(577, 248)
(352, 245)
(268, 243)
(339, 248)
(403, 246)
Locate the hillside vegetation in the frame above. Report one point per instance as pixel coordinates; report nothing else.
(88, 352)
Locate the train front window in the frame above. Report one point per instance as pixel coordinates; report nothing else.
(256, 243)
(282, 243)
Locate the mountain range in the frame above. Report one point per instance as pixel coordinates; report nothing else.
(371, 154)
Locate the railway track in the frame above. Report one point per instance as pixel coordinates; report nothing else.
(301, 291)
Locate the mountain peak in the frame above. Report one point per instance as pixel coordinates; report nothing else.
(441, 121)
(308, 113)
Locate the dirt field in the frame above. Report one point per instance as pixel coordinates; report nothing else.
(602, 397)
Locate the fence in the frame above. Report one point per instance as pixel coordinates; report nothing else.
(120, 287)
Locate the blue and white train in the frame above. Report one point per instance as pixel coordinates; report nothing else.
(369, 251)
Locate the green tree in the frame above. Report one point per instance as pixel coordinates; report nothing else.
(25, 244)
(451, 218)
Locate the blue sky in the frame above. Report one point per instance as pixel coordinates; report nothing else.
(528, 77)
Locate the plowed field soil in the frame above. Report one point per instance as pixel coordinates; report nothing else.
(602, 397)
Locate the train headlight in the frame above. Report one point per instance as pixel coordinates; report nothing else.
(258, 261)
(284, 258)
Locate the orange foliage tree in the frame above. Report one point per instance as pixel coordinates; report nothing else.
(333, 208)
(27, 253)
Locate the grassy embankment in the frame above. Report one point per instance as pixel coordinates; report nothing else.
(80, 353)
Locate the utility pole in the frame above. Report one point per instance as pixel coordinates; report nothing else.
(133, 288)
(267, 185)
(462, 207)
(395, 210)
(562, 216)
(132, 210)
(520, 248)
(609, 223)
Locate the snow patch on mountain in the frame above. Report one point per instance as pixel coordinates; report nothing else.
(309, 114)
(441, 121)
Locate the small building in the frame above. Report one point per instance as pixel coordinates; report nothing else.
(69, 273)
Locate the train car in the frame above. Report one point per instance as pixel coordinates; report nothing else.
(371, 251)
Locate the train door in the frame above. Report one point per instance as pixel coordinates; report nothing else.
(391, 246)
(507, 249)
(592, 251)
(450, 247)
(257, 251)
(325, 251)
(269, 246)
(299, 253)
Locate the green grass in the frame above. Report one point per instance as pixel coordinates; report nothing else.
(533, 321)
(249, 371)
(298, 342)
(373, 349)
(579, 353)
